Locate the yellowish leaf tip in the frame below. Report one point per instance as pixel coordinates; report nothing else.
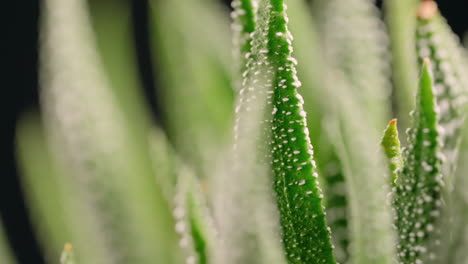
(68, 247)
(426, 62)
(393, 122)
(427, 9)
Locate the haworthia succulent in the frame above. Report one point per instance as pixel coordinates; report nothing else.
(391, 145)
(271, 71)
(417, 198)
(67, 256)
(401, 22)
(436, 41)
(6, 254)
(110, 167)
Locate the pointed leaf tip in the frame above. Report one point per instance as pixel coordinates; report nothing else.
(391, 146)
(427, 9)
(68, 247)
(427, 62)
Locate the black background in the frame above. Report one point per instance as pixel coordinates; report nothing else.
(20, 93)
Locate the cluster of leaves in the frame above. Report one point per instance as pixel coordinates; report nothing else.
(230, 175)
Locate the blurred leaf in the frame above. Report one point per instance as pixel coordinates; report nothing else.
(355, 42)
(401, 22)
(52, 198)
(6, 254)
(112, 25)
(106, 159)
(67, 256)
(355, 73)
(190, 40)
(355, 141)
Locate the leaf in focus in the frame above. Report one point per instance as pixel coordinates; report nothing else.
(271, 73)
(418, 196)
(391, 146)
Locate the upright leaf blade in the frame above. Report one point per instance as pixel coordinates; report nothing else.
(418, 197)
(107, 160)
(436, 40)
(305, 234)
(391, 145)
(243, 25)
(399, 16)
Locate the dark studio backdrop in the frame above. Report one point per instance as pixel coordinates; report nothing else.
(20, 93)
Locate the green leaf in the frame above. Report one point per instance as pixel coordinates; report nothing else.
(354, 42)
(194, 223)
(185, 194)
(189, 40)
(52, 200)
(417, 199)
(391, 145)
(243, 25)
(436, 41)
(354, 45)
(401, 23)
(107, 162)
(272, 74)
(67, 256)
(454, 229)
(354, 140)
(6, 254)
